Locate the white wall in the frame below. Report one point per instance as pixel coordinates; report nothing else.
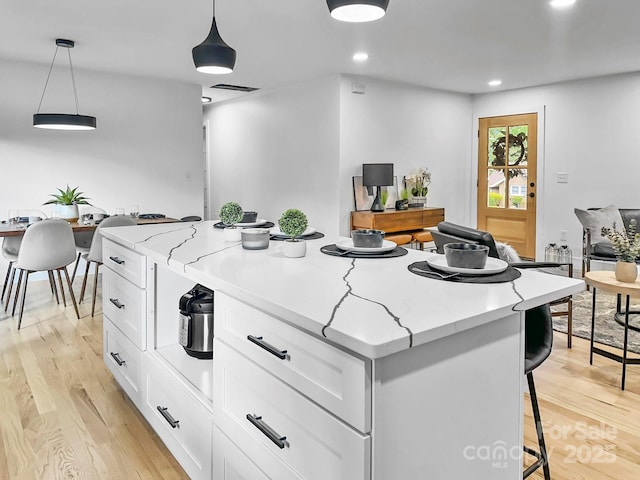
(278, 149)
(591, 131)
(411, 127)
(149, 136)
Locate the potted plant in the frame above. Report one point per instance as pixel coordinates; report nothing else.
(418, 184)
(65, 204)
(293, 223)
(626, 246)
(230, 214)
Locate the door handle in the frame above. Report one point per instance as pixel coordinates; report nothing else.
(116, 303)
(117, 260)
(532, 194)
(116, 357)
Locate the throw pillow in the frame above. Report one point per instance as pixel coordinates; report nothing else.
(594, 220)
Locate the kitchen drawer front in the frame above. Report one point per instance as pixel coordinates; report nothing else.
(185, 426)
(124, 360)
(230, 463)
(125, 262)
(125, 305)
(339, 382)
(318, 446)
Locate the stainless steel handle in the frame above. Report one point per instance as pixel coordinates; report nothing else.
(116, 357)
(281, 354)
(117, 303)
(267, 430)
(167, 416)
(117, 260)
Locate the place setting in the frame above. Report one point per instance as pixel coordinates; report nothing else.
(249, 220)
(309, 234)
(365, 243)
(465, 263)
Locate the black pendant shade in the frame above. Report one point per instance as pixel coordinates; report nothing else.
(63, 121)
(213, 55)
(357, 10)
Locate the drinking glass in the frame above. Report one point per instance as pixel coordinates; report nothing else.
(119, 211)
(13, 217)
(135, 211)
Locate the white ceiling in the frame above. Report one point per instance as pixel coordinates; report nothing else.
(456, 45)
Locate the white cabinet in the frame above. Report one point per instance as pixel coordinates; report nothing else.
(124, 360)
(125, 305)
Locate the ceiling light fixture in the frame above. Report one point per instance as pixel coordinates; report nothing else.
(63, 121)
(206, 99)
(213, 55)
(360, 57)
(357, 10)
(495, 83)
(561, 3)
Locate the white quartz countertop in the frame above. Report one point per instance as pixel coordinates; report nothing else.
(374, 307)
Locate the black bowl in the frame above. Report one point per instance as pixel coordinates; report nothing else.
(367, 238)
(249, 217)
(466, 255)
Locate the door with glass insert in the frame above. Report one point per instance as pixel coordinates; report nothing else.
(507, 153)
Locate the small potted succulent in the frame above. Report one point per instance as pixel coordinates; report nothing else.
(230, 214)
(65, 204)
(293, 223)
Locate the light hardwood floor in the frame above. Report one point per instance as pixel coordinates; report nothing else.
(62, 416)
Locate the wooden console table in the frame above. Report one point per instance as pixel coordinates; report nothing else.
(393, 221)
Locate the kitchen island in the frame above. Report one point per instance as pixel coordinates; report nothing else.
(356, 368)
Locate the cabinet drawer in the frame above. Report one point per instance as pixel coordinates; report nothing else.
(229, 463)
(125, 305)
(125, 262)
(336, 380)
(183, 424)
(124, 360)
(305, 437)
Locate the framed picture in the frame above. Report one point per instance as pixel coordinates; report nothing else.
(363, 198)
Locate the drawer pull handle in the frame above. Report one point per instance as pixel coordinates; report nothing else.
(116, 357)
(266, 429)
(167, 416)
(117, 260)
(117, 303)
(281, 354)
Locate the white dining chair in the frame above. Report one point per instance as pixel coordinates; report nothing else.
(83, 239)
(47, 246)
(95, 253)
(10, 249)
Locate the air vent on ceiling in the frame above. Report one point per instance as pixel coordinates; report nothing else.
(237, 88)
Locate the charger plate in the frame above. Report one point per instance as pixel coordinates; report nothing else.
(493, 266)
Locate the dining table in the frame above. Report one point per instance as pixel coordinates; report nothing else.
(18, 229)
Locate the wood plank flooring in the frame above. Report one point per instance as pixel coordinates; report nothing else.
(62, 415)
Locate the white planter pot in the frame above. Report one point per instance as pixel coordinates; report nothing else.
(295, 249)
(232, 234)
(66, 212)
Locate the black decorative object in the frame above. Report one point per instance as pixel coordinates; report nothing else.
(402, 204)
(424, 270)
(377, 175)
(63, 121)
(213, 55)
(357, 10)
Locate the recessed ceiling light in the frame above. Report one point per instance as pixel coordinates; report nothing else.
(206, 99)
(495, 83)
(360, 57)
(561, 3)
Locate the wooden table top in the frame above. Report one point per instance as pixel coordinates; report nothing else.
(7, 230)
(606, 280)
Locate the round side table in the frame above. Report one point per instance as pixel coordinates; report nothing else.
(606, 280)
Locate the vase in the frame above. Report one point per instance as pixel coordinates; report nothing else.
(626, 272)
(294, 248)
(232, 234)
(419, 202)
(66, 212)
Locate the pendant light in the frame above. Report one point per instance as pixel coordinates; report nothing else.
(357, 10)
(213, 55)
(63, 121)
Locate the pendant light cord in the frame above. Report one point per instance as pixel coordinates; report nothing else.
(73, 80)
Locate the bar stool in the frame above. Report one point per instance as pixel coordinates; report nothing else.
(399, 238)
(538, 340)
(422, 237)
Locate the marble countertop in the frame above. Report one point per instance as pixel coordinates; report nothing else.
(374, 307)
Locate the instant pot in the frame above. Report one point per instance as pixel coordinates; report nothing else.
(196, 322)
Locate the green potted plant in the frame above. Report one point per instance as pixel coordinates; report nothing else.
(230, 214)
(626, 246)
(65, 203)
(293, 223)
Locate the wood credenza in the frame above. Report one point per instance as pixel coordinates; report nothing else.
(393, 221)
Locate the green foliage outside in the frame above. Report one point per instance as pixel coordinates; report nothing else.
(495, 199)
(293, 222)
(516, 200)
